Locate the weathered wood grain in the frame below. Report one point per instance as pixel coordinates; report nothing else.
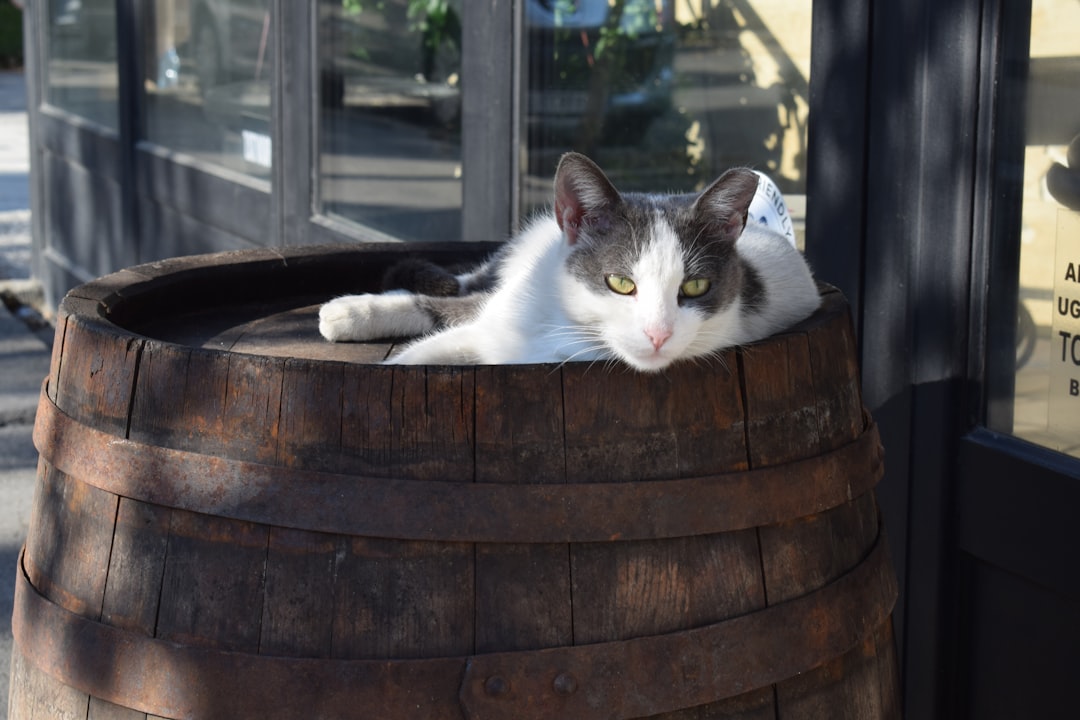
(95, 376)
(35, 694)
(834, 365)
(310, 428)
(69, 541)
(132, 592)
(212, 587)
(298, 609)
(519, 424)
(136, 565)
(432, 423)
(367, 429)
(403, 599)
(522, 591)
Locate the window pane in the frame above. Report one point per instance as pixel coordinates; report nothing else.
(666, 95)
(80, 70)
(208, 71)
(1046, 393)
(390, 135)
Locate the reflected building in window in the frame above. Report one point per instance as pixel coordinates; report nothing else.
(667, 95)
(80, 59)
(390, 116)
(209, 71)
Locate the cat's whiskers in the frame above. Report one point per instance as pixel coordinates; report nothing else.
(592, 361)
(589, 337)
(571, 339)
(584, 331)
(718, 356)
(712, 344)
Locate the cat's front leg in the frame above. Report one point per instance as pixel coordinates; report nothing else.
(453, 346)
(368, 317)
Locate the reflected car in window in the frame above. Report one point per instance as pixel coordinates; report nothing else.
(229, 41)
(407, 53)
(599, 61)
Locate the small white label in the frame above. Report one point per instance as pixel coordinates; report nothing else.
(257, 148)
(768, 208)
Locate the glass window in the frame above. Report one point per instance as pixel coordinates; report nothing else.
(1045, 387)
(390, 111)
(666, 95)
(80, 68)
(209, 67)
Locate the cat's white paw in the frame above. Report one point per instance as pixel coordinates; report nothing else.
(349, 318)
(371, 317)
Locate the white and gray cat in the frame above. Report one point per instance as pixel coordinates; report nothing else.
(645, 279)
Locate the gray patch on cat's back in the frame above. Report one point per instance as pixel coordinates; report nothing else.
(482, 281)
(753, 295)
(488, 275)
(449, 311)
(420, 276)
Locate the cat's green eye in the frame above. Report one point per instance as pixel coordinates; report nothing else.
(694, 288)
(620, 284)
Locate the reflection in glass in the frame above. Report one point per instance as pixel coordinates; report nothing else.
(390, 136)
(666, 95)
(1046, 394)
(208, 75)
(80, 70)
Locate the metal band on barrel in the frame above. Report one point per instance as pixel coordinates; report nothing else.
(456, 511)
(624, 679)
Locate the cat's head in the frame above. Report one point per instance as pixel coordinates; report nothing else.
(651, 278)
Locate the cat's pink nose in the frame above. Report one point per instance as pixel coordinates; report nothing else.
(658, 336)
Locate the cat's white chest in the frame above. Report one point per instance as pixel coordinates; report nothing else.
(527, 313)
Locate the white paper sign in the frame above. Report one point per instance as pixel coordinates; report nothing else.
(1063, 412)
(257, 147)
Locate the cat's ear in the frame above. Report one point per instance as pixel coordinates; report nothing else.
(583, 195)
(725, 203)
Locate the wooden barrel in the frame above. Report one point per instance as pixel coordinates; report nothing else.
(236, 519)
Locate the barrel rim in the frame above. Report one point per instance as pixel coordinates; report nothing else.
(121, 297)
(127, 297)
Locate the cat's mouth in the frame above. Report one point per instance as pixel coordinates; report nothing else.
(650, 361)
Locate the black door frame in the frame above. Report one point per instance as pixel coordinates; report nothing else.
(915, 213)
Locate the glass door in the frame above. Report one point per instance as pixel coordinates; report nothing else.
(1037, 396)
(1018, 483)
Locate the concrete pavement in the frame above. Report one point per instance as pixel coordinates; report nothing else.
(24, 353)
